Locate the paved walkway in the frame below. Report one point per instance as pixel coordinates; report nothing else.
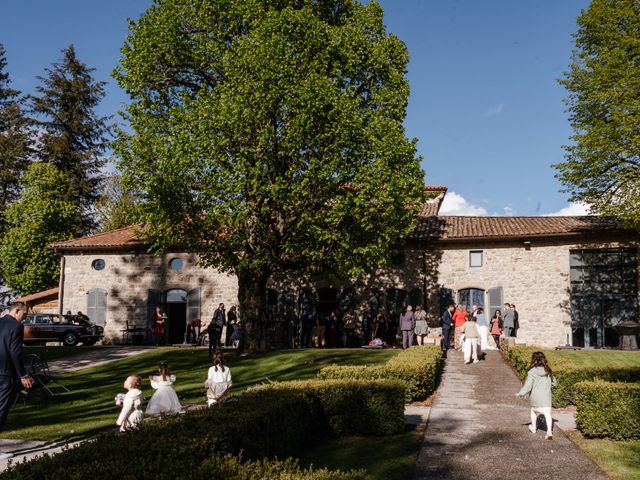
(477, 429)
(94, 357)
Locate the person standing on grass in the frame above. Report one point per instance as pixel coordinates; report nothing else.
(540, 381)
(471, 336)
(407, 326)
(12, 372)
(218, 321)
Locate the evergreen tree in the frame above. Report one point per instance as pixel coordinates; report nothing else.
(268, 137)
(14, 140)
(116, 208)
(74, 137)
(602, 165)
(41, 216)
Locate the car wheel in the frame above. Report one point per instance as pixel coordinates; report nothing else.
(70, 339)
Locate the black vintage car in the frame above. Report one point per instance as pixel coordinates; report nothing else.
(40, 328)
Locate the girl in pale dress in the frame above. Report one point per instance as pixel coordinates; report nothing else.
(131, 415)
(218, 380)
(164, 400)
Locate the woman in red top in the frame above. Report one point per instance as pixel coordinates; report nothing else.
(459, 317)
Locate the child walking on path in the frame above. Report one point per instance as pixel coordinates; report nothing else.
(539, 382)
(164, 400)
(131, 415)
(218, 380)
(471, 337)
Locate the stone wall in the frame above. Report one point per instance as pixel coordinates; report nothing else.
(534, 277)
(127, 279)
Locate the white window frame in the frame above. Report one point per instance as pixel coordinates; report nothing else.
(473, 264)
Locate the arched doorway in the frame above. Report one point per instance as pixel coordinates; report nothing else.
(471, 296)
(176, 302)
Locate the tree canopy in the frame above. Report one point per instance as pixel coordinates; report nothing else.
(268, 136)
(74, 138)
(602, 165)
(42, 216)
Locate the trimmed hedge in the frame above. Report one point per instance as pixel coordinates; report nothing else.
(418, 368)
(568, 374)
(606, 409)
(274, 420)
(352, 407)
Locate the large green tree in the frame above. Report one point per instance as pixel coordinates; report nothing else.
(14, 139)
(268, 137)
(116, 207)
(41, 216)
(602, 165)
(74, 137)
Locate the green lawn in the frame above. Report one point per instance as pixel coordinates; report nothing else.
(600, 358)
(384, 458)
(89, 407)
(620, 460)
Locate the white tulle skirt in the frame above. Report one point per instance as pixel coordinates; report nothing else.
(164, 400)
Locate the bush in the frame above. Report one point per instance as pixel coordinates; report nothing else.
(606, 409)
(568, 374)
(352, 407)
(418, 368)
(275, 420)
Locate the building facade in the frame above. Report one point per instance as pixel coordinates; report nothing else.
(571, 278)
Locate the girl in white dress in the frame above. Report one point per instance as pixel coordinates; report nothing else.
(164, 400)
(218, 380)
(131, 415)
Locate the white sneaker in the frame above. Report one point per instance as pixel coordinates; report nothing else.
(6, 455)
(532, 429)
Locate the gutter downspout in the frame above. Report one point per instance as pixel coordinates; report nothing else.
(61, 285)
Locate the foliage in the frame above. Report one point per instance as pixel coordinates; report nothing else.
(601, 166)
(571, 367)
(606, 409)
(277, 420)
(74, 138)
(352, 406)
(116, 207)
(418, 368)
(268, 136)
(14, 140)
(42, 216)
(93, 389)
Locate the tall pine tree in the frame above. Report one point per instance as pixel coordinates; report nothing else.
(74, 137)
(14, 140)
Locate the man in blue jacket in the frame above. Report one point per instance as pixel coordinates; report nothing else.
(447, 326)
(12, 372)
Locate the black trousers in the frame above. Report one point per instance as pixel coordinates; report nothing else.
(446, 338)
(214, 339)
(8, 390)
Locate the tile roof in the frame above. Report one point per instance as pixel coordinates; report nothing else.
(466, 228)
(122, 238)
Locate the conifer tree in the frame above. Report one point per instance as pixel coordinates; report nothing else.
(14, 139)
(74, 137)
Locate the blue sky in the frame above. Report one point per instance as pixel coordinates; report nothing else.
(485, 104)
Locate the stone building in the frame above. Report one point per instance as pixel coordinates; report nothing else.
(571, 278)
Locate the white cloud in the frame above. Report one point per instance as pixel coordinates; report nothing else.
(509, 211)
(573, 209)
(494, 110)
(454, 204)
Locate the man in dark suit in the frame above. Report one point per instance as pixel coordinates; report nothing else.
(447, 326)
(12, 372)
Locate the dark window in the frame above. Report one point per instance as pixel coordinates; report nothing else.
(98, 264)
(471, 296)
(604, 292)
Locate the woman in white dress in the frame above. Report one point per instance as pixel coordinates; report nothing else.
(131, 416)
(483, 328)
(164, 400)
(218, 380)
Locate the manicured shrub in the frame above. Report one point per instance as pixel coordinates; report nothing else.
(216, 467)
(607, 409)
(352, 407)
(418, 368)
(568, 372)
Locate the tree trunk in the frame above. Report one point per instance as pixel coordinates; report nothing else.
(252, 299)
